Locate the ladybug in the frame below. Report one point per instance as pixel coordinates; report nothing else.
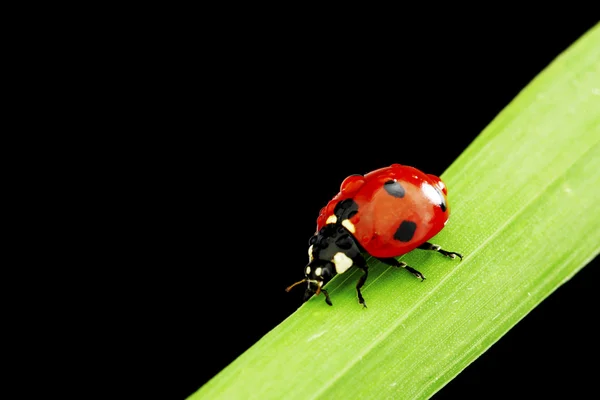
(384, 214)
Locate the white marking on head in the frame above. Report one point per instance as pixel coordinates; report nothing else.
(432, 193)
(349, 225)
(310, 255)
(332, 219)
(342, 262)
(307, 272)
(318, 271)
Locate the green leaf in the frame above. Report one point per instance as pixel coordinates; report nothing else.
(525, 214)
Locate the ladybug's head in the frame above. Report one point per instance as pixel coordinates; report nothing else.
(331, 251)
(316, 274)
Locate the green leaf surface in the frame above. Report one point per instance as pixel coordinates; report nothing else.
(525, 213)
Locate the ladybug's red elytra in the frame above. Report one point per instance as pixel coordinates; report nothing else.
(385, 214)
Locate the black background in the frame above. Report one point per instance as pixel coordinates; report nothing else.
(277, 118)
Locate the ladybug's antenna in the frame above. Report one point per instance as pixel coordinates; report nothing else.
(295, 284)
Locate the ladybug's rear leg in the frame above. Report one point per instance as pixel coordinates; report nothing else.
(435, 247)
(399, 264)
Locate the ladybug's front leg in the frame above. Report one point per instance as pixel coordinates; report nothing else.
(327, 299)
(435, 247)
(362, 264)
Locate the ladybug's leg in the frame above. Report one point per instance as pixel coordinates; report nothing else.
(435, 247)
(395, 263)
(327, 299)
(362, 264)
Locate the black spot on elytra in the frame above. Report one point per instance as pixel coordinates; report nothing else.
(405, 231)
(345, 209)
(394, 189)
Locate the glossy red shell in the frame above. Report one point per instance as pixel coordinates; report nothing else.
(380, 214)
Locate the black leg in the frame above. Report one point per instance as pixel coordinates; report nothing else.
(435, 247)
(360, 284)
(327, 299)
(362, 264)
(395, 263)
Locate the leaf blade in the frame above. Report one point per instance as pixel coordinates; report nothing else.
(523, 194)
